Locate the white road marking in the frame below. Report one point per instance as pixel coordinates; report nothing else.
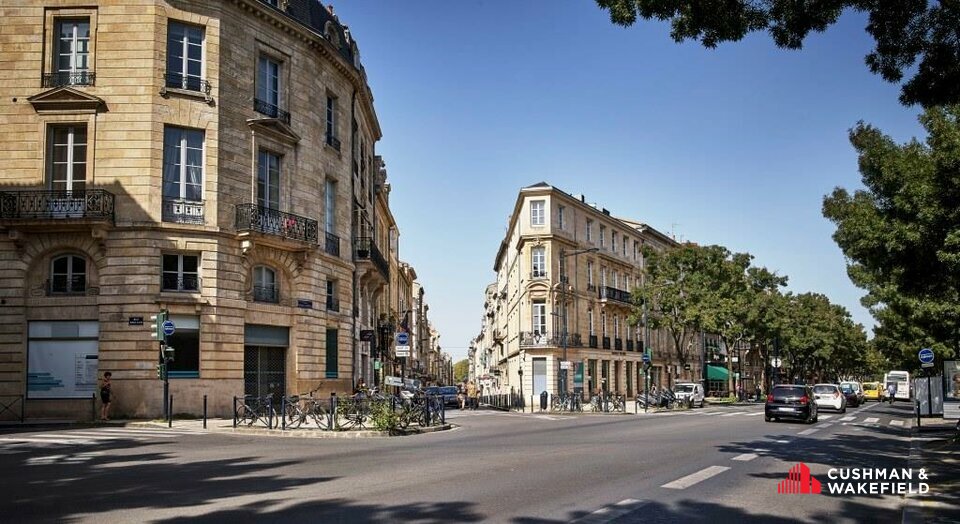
(871, 420)
(825, 417)
(611, 512)
(746, 457)
(896, 423)
(755, 414)
(848, 418)
(695, 478)
(808, 431)
(782, 441)
(712, 412)
(823, 426)
(735, 413)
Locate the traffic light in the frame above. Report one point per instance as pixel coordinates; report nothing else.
(161, 369)
(156, 324)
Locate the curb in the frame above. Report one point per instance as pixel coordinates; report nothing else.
(301, 433)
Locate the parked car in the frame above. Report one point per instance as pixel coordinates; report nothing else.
(830, 396)
(449, 395)
(872, 391)
(791, 401)
(690, 393)
(852, 391)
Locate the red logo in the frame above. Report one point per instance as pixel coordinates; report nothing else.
(799, 481)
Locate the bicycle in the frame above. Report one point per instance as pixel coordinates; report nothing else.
(298, 407)
(253, 409)
(618, 403)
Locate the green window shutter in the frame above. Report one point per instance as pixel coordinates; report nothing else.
(332, 353)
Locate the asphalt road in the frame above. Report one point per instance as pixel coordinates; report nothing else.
(717, 464)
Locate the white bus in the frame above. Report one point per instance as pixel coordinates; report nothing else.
(900, 379)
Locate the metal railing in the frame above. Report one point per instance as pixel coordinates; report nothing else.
(333, 142)
(612, 293)
(266, 108)
(533, 338)
(606, 342)
(333, 304)
(182, 211)
(593, 341)
(618, 344)
(366, 249)
(69, 78)
(64, 285)
(332, 244)
(270, 294)
(187, 83)
(252, 217)
(96, 204)
(537, 274)
(574, 340)
(178, 282)
(629, 345)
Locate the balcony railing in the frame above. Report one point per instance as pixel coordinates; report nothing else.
(606, 342)
(333, 142)
(270, 110)
(252, 217)
(182, 212)
(612, 293)
(565, 279)
(618, 344)
(366, 249)
(187, 83)
(332, 245)
(592, 287)
(533, 338)
(593, 341)
(574, 340)
(333, 304)
(538, 274)
(69, 78)
(178, 282)
(67, 285)
(96, 204)
(270, 294)
(629, 345)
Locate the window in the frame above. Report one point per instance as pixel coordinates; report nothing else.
(625, 242)
(68, 275)
(537, 212)
(181, 273)
(590, 323)
(332, 122)
(186, 344)
(71, 61)
(265, 285)
(330, 205)
(182, 164)
(539, 317)
(560, 217)
(603, 323)
(603, 232)
(616, 280)
(616, 326)
(539, 264)
(589, 230)
(603, 276)
(332, 357)
(268, 86)
(185, 57)
(67, 165)
(636, 249)
(590, 272)
(333, 304)
(268, 180)
(613, 241)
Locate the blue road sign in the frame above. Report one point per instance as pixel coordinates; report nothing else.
(168, 327)
(926, 355)
(403, 338)
(646, 357)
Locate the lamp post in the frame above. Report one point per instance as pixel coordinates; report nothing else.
(562, 387)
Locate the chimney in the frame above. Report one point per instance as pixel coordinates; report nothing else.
(330, 10)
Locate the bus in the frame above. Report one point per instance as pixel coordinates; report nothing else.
(901, 379)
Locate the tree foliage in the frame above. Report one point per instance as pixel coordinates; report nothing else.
(461, 369)
(911, 36)
(901, 235)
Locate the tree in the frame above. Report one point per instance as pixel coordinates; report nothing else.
(461, 369)
(901, 235)
(912, 35)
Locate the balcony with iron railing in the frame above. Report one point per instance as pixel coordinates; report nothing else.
(69, 78)
(180, 283)
(333, 304)
(187, 83)
(332, 244)
(333, 142)
(536, 339)
(366, 250)
(618, 344)
(260, 219)
(593, 341)
(182, 211)
(92, 205)
(612, 293)
(63, 285)
(268, 294)
(266, 108)
(592, 288)
(574, 340)
(629, 345)
(606, 342)
(538, 274)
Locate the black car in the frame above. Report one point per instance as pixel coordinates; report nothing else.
(853, 397)
(792, 402)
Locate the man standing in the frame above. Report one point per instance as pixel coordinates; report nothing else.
(472, 394)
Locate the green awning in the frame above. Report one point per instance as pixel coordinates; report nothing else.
(717, 373)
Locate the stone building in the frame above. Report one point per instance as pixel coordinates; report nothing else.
(565, 272)
(211, 158)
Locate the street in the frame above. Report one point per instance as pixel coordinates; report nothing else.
(716, 464)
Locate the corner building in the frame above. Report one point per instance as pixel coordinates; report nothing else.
(214, 158)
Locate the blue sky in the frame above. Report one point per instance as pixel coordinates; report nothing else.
(734, 146)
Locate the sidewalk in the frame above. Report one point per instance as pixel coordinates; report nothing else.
(935, 447)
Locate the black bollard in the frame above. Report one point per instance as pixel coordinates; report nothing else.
(204, 412)
(170, 414)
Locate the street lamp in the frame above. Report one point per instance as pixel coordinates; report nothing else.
(562, 387)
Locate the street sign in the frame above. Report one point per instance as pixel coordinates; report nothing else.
(403, 338)
(926, 356)
(402, 351)
(366, 335)
(926, 364)
(135, 321)
(393, 381)
(304, 303)
(646, 357)
(168, 327)
(775, 362)
(565, 364)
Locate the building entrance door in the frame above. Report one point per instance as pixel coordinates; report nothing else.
(539, 375)
(264, 371)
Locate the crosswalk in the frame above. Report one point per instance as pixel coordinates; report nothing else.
(15, 442)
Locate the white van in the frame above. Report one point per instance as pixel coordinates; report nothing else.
(689, 393)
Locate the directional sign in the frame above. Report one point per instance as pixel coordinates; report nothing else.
(402, 351)
(393, 381)
(403, 339)
(168, 327)
(646, 357)
(926, 356)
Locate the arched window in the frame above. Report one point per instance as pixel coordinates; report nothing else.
(68, 275)
(265, 287)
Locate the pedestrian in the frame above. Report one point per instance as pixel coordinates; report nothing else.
(472, 394)
(891, 390)
(105, 390)
(461, 396)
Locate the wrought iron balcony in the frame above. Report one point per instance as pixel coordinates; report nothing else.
(67, 285)
(593, 341)
(182, 211)
(89, 204)
(270, 110)
(591, 287)
(333, 142)
(618, 344)
(606, 342)
(187, 83)
(178, 282)
(366, 249)
(533, 338)
(612, 293)
(574, 340)
(565, 279)
(270, 294)
(538, 274)
(69, 78)
(629, 345)
(252, 217)
(332, 245)
(333, 304)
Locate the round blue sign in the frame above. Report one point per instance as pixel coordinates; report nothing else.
(402, 338)
(168, 327)
(926, 355)
(646, 357)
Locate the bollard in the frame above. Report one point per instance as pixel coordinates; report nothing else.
(170, 414)
(234, 412)
(283, 414)
(204, 412)
(270, 412)
(333, 410)
(93, 407)
(443, 412)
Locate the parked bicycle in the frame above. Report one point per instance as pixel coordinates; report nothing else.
(252, 409)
